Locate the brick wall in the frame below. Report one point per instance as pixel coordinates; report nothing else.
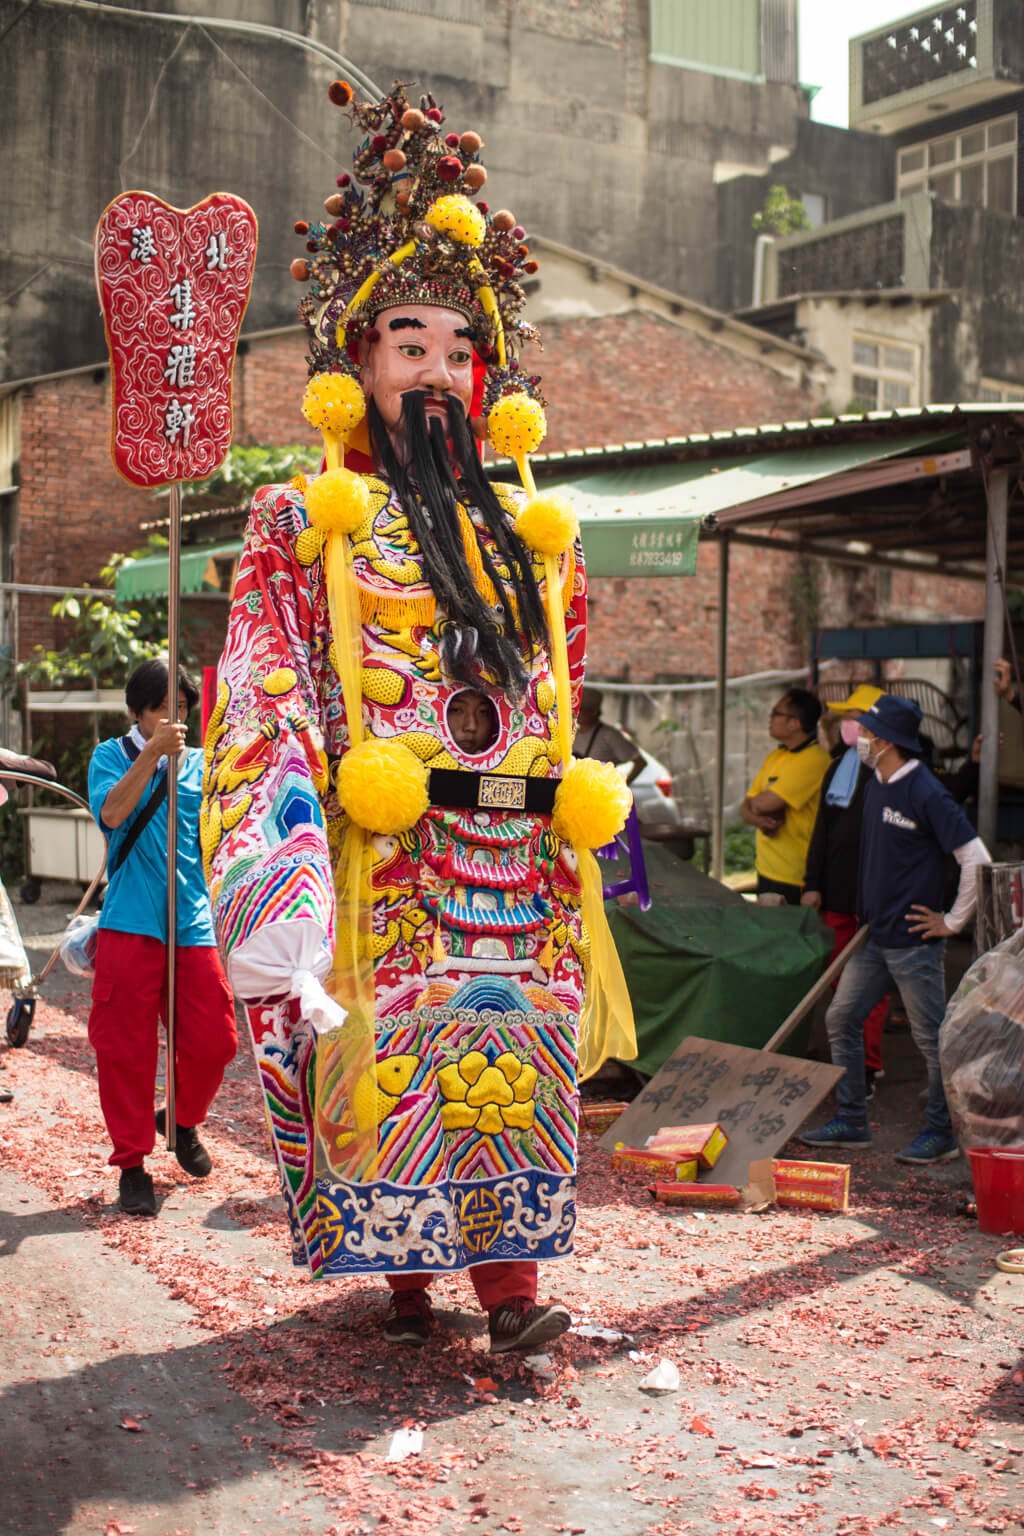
(608, 379)
(74, 510)
(638, 375)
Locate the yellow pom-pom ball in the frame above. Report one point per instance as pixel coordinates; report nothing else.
(591, 804)
(280, 681)
(337, 501)
(383, 786)
(333, 403)
(516, 426)
(456, 217)
(548, 524)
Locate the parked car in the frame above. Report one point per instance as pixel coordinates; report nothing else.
(652, 793)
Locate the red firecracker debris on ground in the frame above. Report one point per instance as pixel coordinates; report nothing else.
(838, 1373)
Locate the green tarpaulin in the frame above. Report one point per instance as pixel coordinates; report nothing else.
(702, 961)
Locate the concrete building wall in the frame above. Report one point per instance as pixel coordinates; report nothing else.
(831, 326)
(981, 255)
(849, 172)
(588, 140)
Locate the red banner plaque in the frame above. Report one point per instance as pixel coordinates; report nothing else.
(173, 285)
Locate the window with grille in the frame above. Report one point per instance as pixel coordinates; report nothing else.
(976, 166)
(885, 373)
(996, 390)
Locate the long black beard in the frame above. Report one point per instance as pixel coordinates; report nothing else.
(479, 644)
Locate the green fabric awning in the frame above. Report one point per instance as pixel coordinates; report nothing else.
(636, 520)
(199, 573)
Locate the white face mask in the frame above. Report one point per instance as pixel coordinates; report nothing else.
(865, 753)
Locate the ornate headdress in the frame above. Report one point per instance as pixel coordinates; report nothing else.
(403, 229)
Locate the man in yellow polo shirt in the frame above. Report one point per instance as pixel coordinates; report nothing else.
(782, 802)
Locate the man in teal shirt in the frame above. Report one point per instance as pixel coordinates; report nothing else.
(128, 798)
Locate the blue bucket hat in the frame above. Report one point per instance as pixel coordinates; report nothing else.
(894, 719)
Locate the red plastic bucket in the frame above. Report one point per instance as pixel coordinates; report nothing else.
(998, 1174)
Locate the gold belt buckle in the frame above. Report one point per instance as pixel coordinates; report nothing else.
(500, 792)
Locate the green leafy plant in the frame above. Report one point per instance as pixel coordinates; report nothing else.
(104, 641)
(739, 848)
(246, 468)
(780, 214)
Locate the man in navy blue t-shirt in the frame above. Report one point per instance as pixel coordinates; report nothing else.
(910, 826)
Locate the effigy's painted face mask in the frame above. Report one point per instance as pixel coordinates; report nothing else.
(418, 346)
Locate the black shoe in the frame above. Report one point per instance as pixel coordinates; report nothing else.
(135, 1192)
(518, 1324)
(6, 1096)
(872, 1075)
(410, 1318)
(188, 1149)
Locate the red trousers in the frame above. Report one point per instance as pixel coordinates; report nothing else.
(844, 926)
(129, 1000)
(494, 1283)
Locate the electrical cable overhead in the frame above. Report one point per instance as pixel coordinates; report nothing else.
(217, 23)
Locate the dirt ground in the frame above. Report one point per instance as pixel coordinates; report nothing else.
(838, 1374)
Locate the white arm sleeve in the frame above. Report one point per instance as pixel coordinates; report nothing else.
(968, 856)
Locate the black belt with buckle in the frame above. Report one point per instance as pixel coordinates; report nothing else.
(467, 791)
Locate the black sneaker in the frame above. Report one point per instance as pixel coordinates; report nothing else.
(872, 1076)
(410, 1318)
(519, 1324)
(6, 1096)
(188, 1149)
(135, 1193)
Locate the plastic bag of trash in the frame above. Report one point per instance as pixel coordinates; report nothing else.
(78, 945)
(981, 1049)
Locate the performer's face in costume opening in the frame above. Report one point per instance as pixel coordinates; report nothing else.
(420, 347)
(472, 721)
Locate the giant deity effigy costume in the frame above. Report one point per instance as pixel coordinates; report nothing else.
(440, 885)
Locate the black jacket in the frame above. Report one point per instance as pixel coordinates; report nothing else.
(834, 850)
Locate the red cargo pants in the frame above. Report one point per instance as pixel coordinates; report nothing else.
(129, 997)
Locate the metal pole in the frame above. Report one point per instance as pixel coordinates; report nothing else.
(992, 648)
(173, 605)
(718, 809)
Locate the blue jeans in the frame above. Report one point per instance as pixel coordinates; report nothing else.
(918, 974)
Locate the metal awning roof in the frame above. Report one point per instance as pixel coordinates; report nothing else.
(898, 488)
(644, 519)
(895, 488)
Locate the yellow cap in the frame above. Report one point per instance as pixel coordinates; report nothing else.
(861, 699)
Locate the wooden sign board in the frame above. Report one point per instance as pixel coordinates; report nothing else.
(758, 1098)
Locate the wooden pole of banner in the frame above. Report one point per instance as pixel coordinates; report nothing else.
(173, 624)
(819, 989)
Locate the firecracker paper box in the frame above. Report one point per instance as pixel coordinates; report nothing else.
(758, 1194)
(658, 1165)
(599, 1116)
(816, 1186)
(689, 1192)
(704, 1142)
